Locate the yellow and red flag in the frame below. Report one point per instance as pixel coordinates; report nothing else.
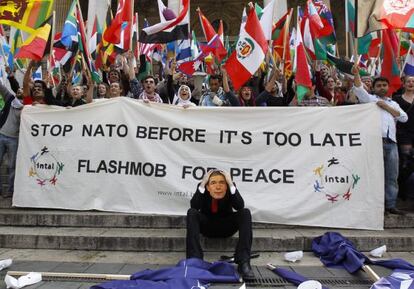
(27, 15)
(35, 46)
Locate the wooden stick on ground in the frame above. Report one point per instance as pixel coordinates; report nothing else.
(82, 276)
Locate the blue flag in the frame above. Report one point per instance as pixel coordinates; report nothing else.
(188, 273)
(333, 249)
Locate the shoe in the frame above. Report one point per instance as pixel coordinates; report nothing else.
(395, 211)
(246, 271)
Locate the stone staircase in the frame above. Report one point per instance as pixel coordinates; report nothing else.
(98, 231)
(93, 230)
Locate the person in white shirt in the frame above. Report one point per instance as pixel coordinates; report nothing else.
(391, 112)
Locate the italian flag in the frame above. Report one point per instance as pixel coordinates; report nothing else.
(250, 52)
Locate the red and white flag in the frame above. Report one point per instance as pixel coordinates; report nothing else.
(250, 52)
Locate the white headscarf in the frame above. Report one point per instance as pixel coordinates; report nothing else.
(181, 102)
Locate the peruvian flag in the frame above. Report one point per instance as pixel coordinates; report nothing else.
(250, 52)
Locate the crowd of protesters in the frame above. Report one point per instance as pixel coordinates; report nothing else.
(268, 87)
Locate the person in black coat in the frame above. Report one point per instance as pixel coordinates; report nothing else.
(217, 211)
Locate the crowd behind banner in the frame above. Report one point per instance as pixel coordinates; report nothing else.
(209, 80)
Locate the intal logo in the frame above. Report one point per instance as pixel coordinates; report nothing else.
(45, 168)
(335, 181)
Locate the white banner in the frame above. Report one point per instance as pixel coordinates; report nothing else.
(304, 166)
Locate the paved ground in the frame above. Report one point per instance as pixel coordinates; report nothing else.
(128, 263)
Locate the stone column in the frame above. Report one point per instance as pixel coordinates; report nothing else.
(61, 7)
(98, 8)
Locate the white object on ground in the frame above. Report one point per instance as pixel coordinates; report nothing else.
(294, 256)
(5, 263)
(310, 284)
(378, 252)
(26, 280)
(243, 286)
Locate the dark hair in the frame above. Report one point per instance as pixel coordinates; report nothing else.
(44, 86)
(380, 78)
(147, 77)
(215, 76)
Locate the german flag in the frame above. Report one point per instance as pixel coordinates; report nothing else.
(27, 15)
(36, 45)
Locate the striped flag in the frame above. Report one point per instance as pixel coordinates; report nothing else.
(168, 30)
(34, 47)
(409, 65)
(27, 15)
(96, 38)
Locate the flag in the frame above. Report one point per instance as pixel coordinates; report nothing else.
(389, 67)
(220, 31)
(15, 43)
(106, 54)
(397, 14)
(96, 38)
(168, 30)
(83, 46)
(369, 44)
(69, 36)
(367, 15)
(250, 52)
(187, 274)
(327, 33)
(215, 47)
(281, 10)
(350, 16)
(208, 29)
(37, 75)
(123, 15)
(183, 50)
(409, 65)
(194, 45)
(27, 15)
(313, 15)
(303, 78)
(77, 70)
(189, 67)
(34, 47)
(243, 20)
(344, 65)
(266, 21)
(279, 33)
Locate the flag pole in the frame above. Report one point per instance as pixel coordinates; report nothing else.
(137, 28)
(53, 31)
(83, 24)
(132, 24)
(355, 50)
(398, 49)
(287, 24)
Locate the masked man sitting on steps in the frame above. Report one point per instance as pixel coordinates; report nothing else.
(212, 215)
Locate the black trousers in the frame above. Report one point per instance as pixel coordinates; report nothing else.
(198, 222)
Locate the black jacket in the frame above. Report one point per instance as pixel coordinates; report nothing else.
(202, 202)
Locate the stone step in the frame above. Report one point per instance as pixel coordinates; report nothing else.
(67, 218)
(173, 240)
